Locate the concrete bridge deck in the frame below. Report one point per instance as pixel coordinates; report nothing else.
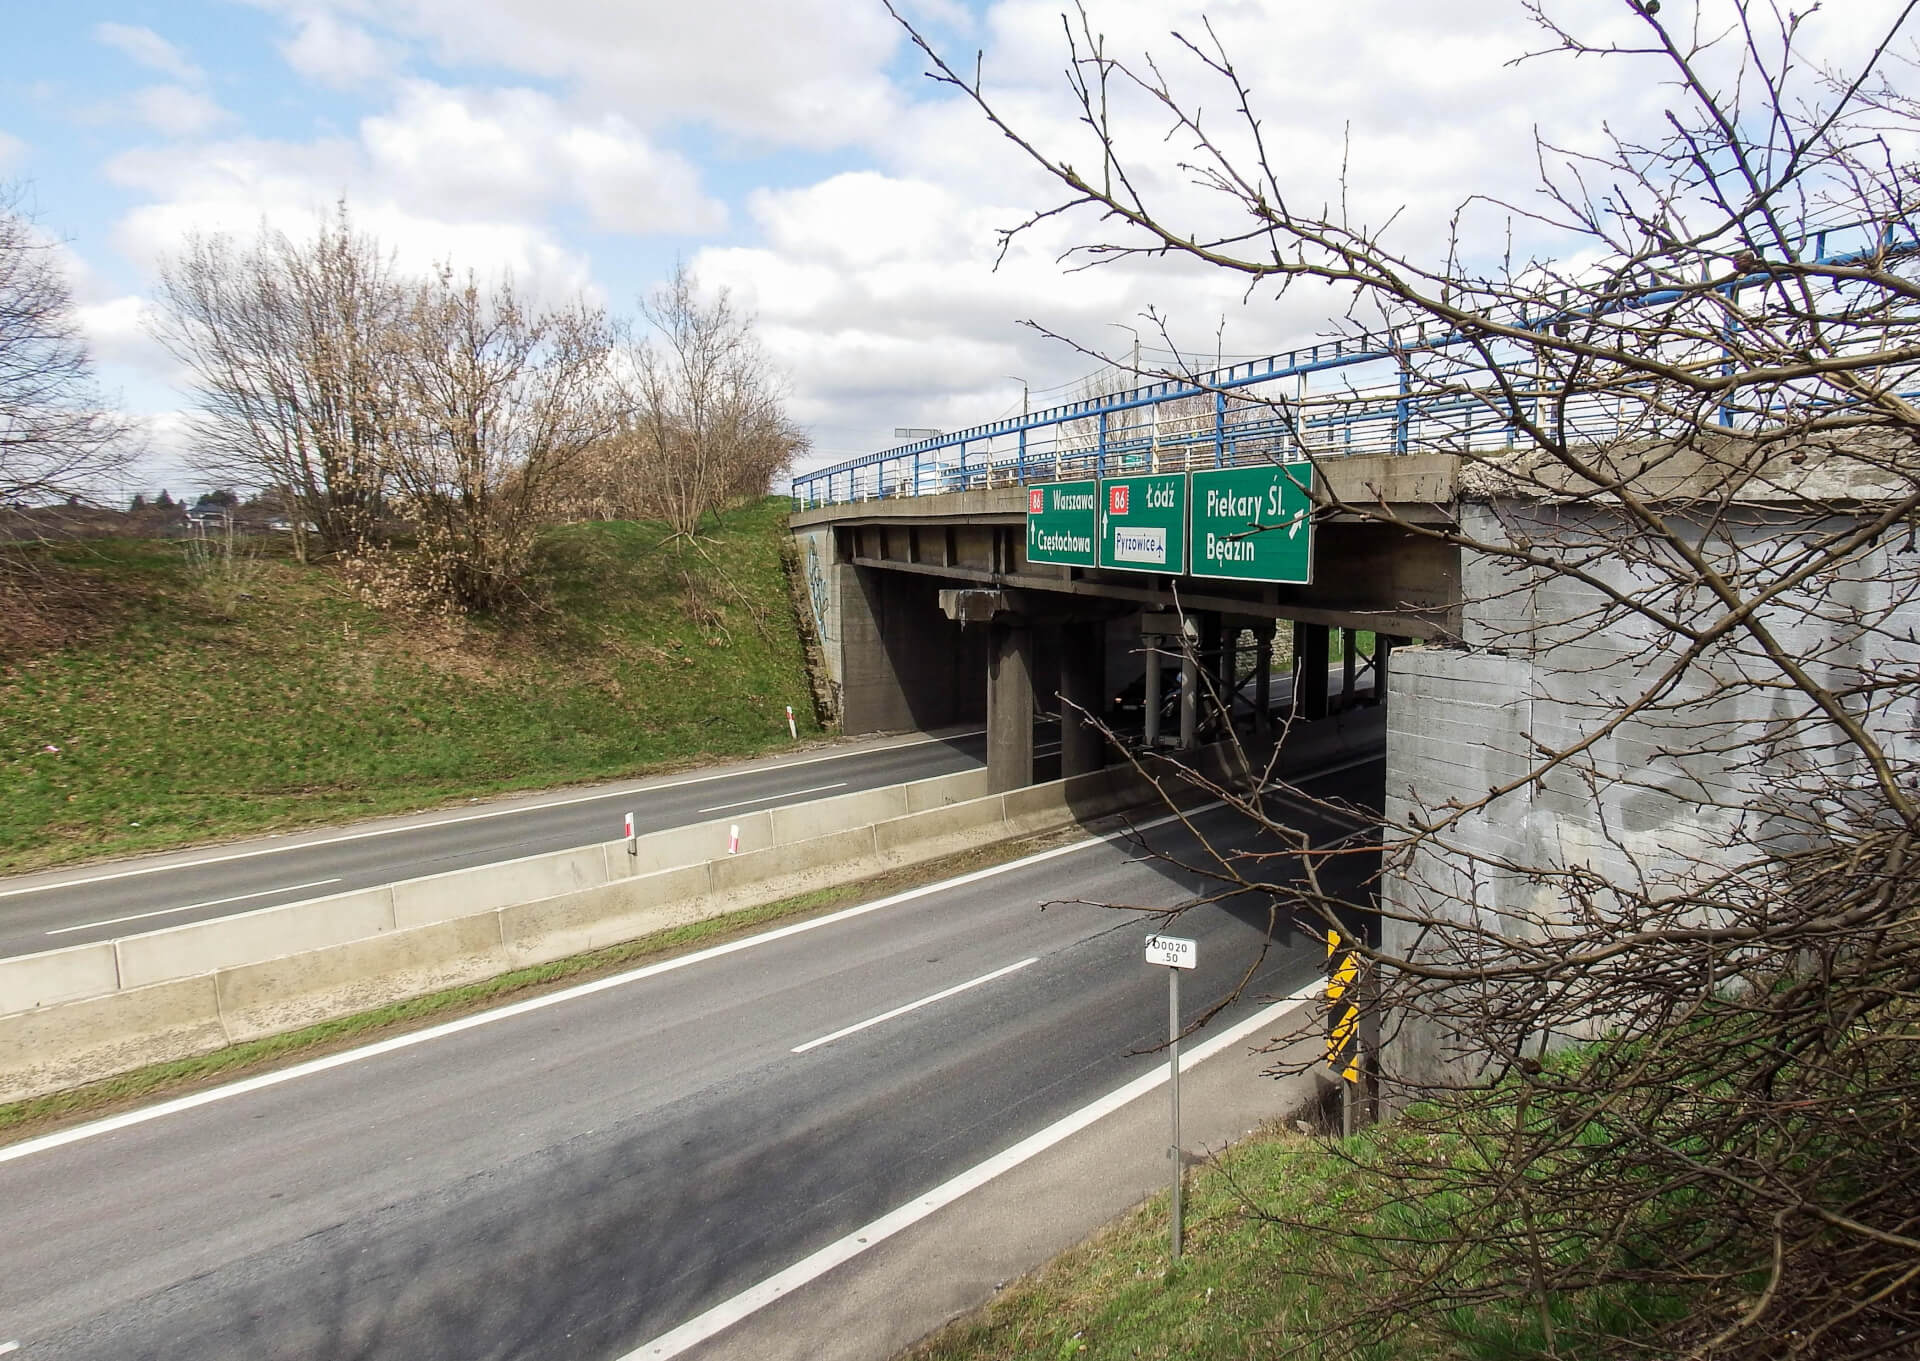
(931, 612)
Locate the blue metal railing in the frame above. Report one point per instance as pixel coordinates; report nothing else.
(1394, 394)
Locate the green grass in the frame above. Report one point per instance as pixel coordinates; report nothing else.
(175, 725)
(1240, 1289)
(1281, 1247)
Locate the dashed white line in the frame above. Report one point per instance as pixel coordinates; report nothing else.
(941, 996)
(476, 817)
(28, 1148)
(749, 1301)
(6, 1347)
(212, 902)
(773, 798)
(128, 1119)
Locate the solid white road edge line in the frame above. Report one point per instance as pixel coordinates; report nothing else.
(128, 1119)
(772, 798)
(729, 1312)
(475, 817)
(940, 996)
(168, 911)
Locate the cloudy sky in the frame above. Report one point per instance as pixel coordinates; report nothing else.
(793, 152)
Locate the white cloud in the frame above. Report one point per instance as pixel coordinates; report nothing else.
(881, 297)
(12, 151)
(179, 108)
(803, 72)
(333, 52)
(117, 333)
(149, 49)
(468, 151)
(176, 111)
(470, 176)
(238, 186)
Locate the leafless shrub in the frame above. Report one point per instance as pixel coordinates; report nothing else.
(705, 423)
(57, 437)
(497, 404)
(223, 572)
(289, 344)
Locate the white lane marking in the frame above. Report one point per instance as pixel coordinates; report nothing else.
(128, 1119)
(773, 798)
(6, 1347)
(474, 817)
(942, 996)
(749, 1301)
(169, 911)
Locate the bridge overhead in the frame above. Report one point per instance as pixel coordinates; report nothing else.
(934, 609)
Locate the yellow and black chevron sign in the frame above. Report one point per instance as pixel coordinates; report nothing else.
(1343, 1009)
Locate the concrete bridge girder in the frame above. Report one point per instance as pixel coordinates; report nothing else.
(942, 619)
(1010, 618)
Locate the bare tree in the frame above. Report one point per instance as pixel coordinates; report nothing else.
(1689, 493)
(57, 437)
(706, 422)
(289, 344)
(499, 404)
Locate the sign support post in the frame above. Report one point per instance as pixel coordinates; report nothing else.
(1173, 1088)
(1176, 954)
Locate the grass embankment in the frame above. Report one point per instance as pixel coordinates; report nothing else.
(175, 713)
(1282, 1255)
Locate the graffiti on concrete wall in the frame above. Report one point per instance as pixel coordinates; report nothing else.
(817, 593)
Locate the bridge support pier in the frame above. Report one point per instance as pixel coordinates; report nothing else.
(1382, 651)
(1083, 684)
(1009, 704)
(1310, 662)
(1189, 697)
(1263, 682)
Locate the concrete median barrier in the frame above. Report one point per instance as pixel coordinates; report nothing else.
(783, 871)
(805, 821)
(28, 982)
(554, 928)
(945, 789)
(71, 1015)
(75, 1042)
(461, 893)
(285, 994)
(939, 831)
(269, 933)
(700, 841)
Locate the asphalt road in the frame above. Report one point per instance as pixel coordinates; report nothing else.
(47, 911)
(573, 1177)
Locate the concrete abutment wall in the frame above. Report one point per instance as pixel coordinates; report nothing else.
(1657, 804)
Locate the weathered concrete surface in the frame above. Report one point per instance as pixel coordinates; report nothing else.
(29, 981)
(1530, 702)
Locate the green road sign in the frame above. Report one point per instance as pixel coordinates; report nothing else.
(1254, 524)
(1143, 523)
(1062, 522)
